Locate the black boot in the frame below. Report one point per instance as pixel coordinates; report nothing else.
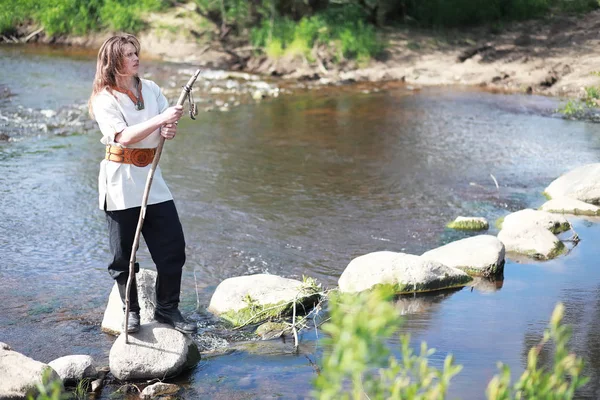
(133, 322)
(174, 318)
(167, 302)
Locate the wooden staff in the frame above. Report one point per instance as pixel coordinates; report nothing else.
(184, 93)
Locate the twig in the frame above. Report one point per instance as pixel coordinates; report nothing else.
(32, 34)
(136, 239)
(264, 310)
(495, 181)
(294, 330)
(320, 64)
(253, 317)
(197, 294)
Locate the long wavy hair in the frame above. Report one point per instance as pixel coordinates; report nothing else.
(110, 64)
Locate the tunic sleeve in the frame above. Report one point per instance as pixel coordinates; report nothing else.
(110, 119)
(161, 100)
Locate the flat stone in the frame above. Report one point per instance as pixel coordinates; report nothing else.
(258, 297)
(21, 374)
(481, 255)
(74, 367)
(157, 351)
(528, 217)
(406, 273)
(581, 183)
(565, 205)
(532, 241)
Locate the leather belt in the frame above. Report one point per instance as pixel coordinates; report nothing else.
(137, 157)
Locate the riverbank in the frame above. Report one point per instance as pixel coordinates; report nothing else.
(554, 56)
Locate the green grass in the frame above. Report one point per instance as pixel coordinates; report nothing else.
(347, 36)
(77, 17)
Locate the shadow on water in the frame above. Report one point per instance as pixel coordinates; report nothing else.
(298, 185)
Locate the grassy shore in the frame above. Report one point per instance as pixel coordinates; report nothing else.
(552, 54)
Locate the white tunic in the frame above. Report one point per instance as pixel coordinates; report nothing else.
(121, 185)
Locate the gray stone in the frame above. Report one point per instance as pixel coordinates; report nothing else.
(406, 273)
(271, 330)
(74, 367)
(20, 374)
(532, 233)
(581, 183)
(533, 241)
(112, 322)
(481, 255)
(262, 295)
(159, 389)
(157, 351)
(528, 218)
(565, 205)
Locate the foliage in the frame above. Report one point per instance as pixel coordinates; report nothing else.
(573, 108)
(77, 16)
(358, 363)
(340, 29)
(559, 382)
(359, 360)
(590, 101)
(49, 389)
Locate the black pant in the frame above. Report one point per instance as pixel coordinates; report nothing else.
(164, 237)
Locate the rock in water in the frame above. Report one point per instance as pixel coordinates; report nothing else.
(157, 351)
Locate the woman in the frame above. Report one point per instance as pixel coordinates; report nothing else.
(132, 114)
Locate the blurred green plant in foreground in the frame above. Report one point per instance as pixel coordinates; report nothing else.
(358, 363)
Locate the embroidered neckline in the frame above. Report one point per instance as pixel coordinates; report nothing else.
(138, 102)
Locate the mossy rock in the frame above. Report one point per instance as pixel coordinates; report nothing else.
(255, 314)
(272, 330)
(469, 224)
(403, 273)
(499, 222)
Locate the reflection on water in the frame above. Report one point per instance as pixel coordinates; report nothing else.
(300, 185)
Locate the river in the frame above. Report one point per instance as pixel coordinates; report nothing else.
(295, 185)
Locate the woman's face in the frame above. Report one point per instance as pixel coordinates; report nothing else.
(131, 62)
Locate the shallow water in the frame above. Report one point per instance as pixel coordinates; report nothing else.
(297, 185)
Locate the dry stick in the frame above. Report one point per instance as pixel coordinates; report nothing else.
(184, 93)
(294, 330)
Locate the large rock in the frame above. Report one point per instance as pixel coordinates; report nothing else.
(112, 322)
(74, 368)
(481, 255)
(581, 183)
(528, 217)
(255, 298)
(157, 351)
(20, 375)
(406, 273)
(532, 233)
(565, 205)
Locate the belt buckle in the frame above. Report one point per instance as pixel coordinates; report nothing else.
(141, 157)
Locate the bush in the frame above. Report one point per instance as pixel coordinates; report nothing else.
(358, 364)
(76, 16)
(340, 29)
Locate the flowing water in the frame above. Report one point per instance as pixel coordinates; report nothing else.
(295, 185)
